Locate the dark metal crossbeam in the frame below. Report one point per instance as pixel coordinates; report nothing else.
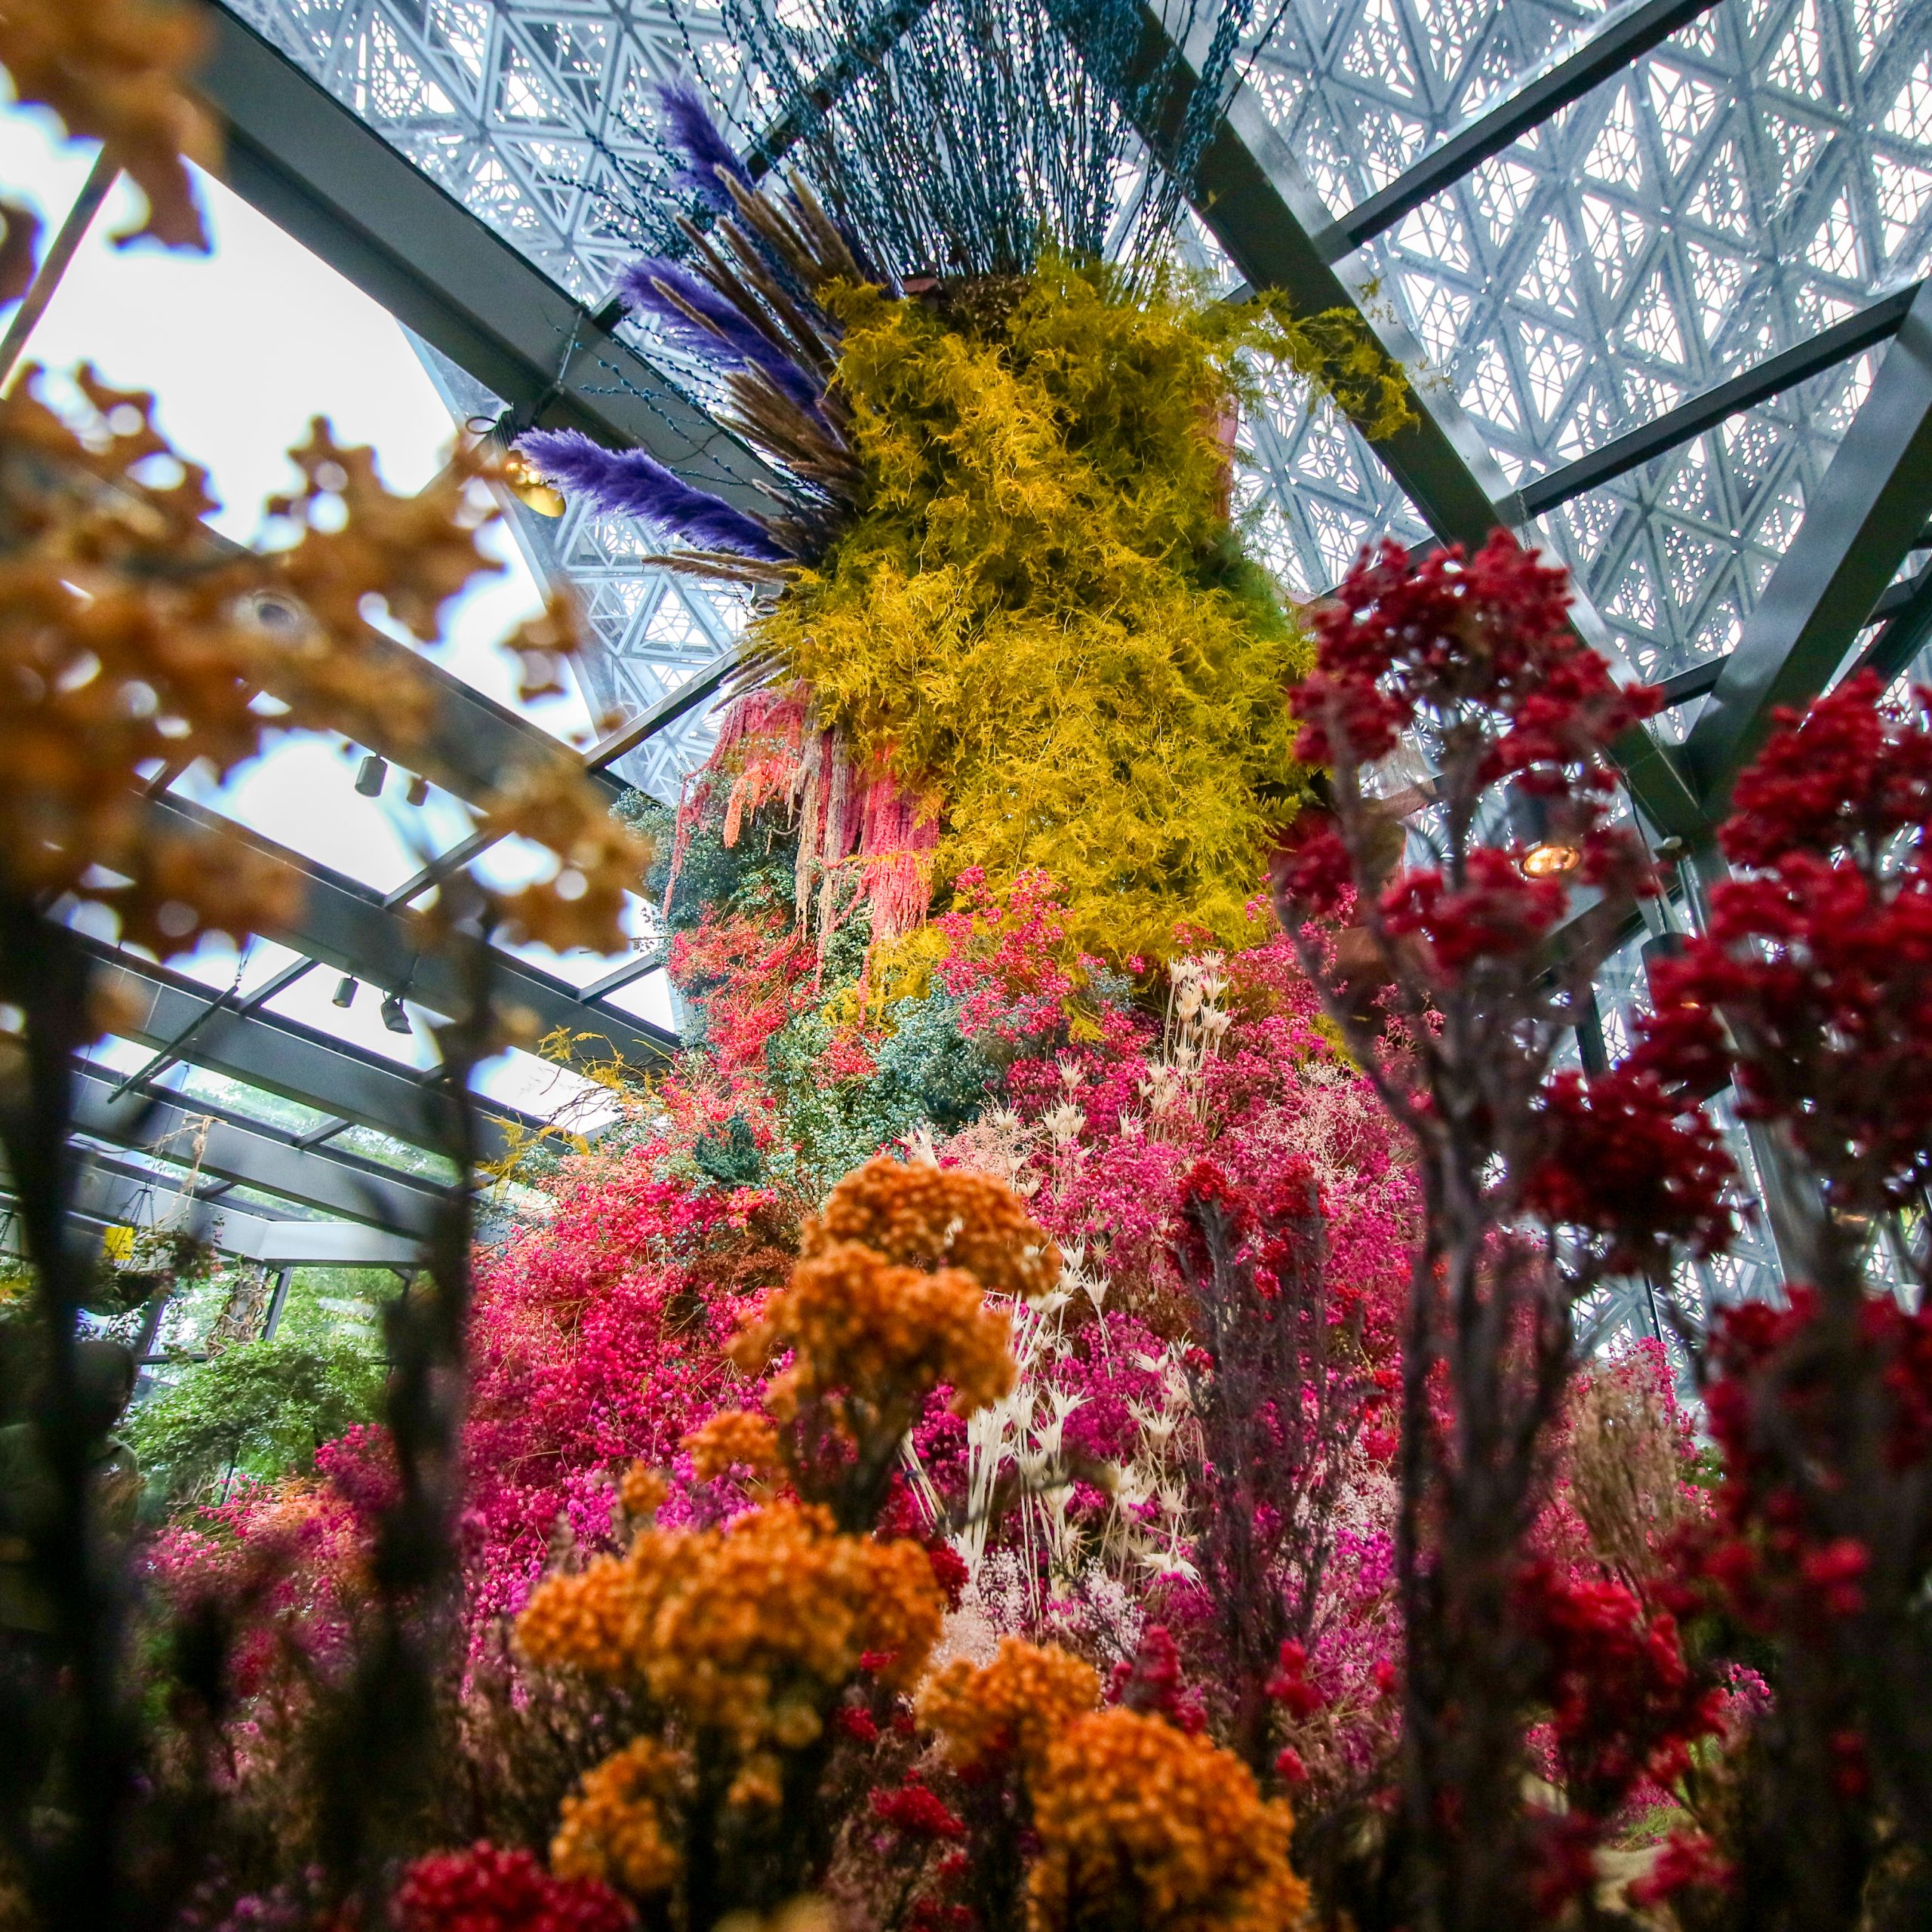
(166, 1010)
(1906, 614)
(1631, 35)
(668, 708)
(318, 171)
(343, 923)
(1866, 516)
(1874, 323)
(109, 1193)
(1249, 189)
(250, 1156)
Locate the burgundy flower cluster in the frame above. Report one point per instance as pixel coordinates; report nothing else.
(486, 1889)
(1818, 966)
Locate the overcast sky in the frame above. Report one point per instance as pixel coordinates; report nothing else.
(242, 347)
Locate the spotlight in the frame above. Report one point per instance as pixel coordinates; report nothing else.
(394, 1018)
(371, 776)
(528, 488)
(1547, 854)
(1550, 860)
(419, 791)
(345, 990)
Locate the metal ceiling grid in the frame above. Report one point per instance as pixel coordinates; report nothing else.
(1645, 263)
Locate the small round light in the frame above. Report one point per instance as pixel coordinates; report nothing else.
(529, 488)
(1549, 859)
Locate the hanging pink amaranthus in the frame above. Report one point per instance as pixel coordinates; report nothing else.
(850, 825)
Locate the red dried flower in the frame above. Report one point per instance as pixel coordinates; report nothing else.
(486, 1889)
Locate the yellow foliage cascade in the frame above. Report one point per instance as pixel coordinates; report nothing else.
(1044, 620)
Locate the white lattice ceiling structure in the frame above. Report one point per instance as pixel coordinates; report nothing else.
(1763, 174)
(1722, 195)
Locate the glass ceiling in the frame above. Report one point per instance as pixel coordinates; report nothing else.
(1764, 173)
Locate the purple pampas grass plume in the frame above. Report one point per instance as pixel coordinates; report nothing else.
(694, 135)
(721, 335)
(635, 484)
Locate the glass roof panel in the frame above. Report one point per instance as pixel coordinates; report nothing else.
(1363, 89)
(1674, 555)
(302, 794)
(1760, 176)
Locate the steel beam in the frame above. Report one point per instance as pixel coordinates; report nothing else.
(316, 170)
(1248, 189)
(343, 924)
(668, 708)
(1875, 323)
(171, 1013)
(1906, 625)
(1631, 35)
(247, 1154)
(1866, 515)
(114, 1194)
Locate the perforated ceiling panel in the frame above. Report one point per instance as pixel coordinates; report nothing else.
(1762, 175)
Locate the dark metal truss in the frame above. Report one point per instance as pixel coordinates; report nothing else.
(114, 1192)
(345, 925)
(230, 1037)
(1870, 514)
(242, 1153)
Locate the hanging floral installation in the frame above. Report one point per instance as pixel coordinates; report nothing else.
(1067, 1403)
(1008, 624)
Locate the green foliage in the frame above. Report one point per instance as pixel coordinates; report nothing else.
(264, 1406)
(729, 1155)
(1045, 618)
(756, 875)
(925, 1074)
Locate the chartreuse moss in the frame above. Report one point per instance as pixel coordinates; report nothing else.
(1044, 619)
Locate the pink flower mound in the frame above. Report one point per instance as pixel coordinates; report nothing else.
(594, 1344)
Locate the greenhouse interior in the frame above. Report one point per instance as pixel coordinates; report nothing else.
(965, 965)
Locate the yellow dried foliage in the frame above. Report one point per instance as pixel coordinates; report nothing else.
(1140, 1824)
(1044, 618)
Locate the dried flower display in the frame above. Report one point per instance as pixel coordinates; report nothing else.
(1062, 1405)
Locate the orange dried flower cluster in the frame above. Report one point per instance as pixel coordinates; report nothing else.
(1019, 1703)
(863, 1330)
(744, 1633)
(586, 1621)
(925, 1216)
(115, 71)
(613, 1825)
(734, 1438)
(1140, 1824)
(134, 642)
